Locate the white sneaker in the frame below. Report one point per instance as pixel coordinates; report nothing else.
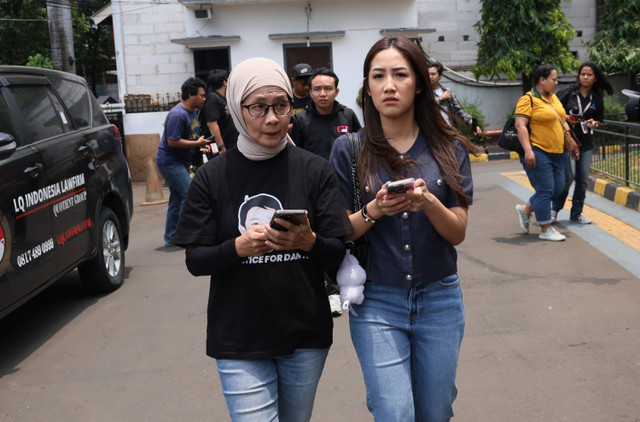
(523, 218)
(553, 235)
(336, 305)
(583, 220)
(554, 216)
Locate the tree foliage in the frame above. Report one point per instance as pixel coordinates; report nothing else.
(38, 60)
(25, 37)
(515, 35)
(23, 31)
(616, 44)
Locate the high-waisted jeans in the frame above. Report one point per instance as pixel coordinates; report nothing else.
(548, 180)
(408, 342)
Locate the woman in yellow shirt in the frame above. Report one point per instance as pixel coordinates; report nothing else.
(543, 149)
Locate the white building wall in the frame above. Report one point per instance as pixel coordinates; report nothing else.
(453, 19)
(149, 63)
(153, 64)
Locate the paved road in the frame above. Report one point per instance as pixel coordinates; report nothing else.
(553, 329)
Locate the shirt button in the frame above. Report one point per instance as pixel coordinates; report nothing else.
(366, 188)
(408, 277)
(405, 215)
(407, 247)
(439, 182)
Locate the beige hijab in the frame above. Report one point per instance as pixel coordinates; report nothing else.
(244, 79)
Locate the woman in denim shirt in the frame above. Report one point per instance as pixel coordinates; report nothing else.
(408, 330)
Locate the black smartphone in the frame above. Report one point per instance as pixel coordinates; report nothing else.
(210, 138)
(401, 186)
(293, 216)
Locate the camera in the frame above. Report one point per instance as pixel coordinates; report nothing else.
(401, 186)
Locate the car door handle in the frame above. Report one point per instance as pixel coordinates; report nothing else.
(34, 171)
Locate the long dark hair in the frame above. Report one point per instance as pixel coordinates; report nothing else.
(601, 84)
(378, 155)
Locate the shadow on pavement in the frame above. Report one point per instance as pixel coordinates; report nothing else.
(23, 331)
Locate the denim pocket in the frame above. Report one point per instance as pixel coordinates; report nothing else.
(450, 281)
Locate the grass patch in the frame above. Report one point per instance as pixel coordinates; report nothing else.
(615, 166)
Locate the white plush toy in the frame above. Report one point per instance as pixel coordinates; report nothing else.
(351, 278)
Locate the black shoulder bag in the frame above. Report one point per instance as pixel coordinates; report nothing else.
(358, 247)
(509, 137)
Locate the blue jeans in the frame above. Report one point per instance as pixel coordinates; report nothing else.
(548, 180)
(408, 342)
(581, 177)
(276, 389)
(178, 180)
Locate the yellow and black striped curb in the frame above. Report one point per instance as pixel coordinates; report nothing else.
(627, 197)
(622, 195)
(505, 155)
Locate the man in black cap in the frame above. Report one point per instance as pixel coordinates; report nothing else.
(300, 83)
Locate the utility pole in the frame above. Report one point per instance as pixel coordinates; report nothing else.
(61, 34)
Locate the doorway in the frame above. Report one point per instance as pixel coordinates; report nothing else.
(207, 59)
(316, 55)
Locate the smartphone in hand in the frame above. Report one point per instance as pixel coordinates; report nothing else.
(293, 216)
(401, 186)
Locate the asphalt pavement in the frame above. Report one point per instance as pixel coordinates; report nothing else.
(552, 334)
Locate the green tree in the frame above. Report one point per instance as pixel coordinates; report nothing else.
(515, 35)
(616, 44)
(25, 37)
(23, 31)
(39, 60)
(94, 51)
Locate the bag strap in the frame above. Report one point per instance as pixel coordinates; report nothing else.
(557, 114)
(356, 144)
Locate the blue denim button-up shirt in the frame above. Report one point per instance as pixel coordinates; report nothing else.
(405, 250)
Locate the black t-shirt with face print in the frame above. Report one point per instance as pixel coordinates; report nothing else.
(273, 304)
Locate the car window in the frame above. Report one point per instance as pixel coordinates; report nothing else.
(76, 97)
(43, 114)
(6, 124)
(98, 115)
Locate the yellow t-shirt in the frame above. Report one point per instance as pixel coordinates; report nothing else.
(547, 133)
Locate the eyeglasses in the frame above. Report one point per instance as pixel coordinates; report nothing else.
(281, 108)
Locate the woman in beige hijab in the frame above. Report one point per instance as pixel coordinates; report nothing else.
(269, 323)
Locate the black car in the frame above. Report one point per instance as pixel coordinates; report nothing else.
(65, 187)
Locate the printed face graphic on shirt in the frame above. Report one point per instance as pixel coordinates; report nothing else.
(257, 210)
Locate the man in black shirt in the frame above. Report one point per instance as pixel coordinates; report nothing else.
(215, 118)
(324, 119)
(316, 127)
(300, 85)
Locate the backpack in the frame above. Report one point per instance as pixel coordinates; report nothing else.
(509, 137)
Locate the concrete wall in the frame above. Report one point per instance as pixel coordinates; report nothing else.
(151, 63)
(148, 62)
(454, 19)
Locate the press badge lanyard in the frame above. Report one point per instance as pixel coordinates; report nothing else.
(580, 104)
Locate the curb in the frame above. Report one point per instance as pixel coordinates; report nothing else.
(627, 197)
(506, 155)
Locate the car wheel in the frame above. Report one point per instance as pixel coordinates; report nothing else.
(105, 272)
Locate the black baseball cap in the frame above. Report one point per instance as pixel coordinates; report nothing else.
(302, 70)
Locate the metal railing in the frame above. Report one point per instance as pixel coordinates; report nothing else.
(145, 103)
(616, 152)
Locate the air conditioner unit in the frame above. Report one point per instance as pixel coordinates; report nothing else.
(203, 13)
